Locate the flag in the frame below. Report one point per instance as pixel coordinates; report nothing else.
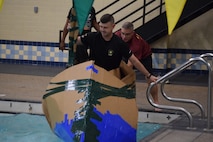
(1, 3)
(79, 14)
(174, 10)
(82, 8)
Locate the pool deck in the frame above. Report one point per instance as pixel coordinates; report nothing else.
(29, 82)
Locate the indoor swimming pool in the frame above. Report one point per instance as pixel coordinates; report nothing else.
(27, 127)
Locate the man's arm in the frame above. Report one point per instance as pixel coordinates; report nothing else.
(130, 64)
(65, 31)
(79, 42)
(137, 64)
(96, 25)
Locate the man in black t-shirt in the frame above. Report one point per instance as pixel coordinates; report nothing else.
(81, 52)
(107, 49)
(106, 54)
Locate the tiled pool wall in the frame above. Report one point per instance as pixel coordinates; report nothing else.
(47, 53)
(25, 52)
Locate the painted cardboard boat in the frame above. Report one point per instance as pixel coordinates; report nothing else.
(86, 103)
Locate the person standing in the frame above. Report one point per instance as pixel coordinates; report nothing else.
(107, 50)
(81, 52)
(141, 49)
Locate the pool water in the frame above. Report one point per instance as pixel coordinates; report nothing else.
(34, 128)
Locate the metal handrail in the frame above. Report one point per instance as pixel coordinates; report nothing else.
(209, 103)
(172, 73)
(182, 100)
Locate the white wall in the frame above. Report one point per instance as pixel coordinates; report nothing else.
(19, 22)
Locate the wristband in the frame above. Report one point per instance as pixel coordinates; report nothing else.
(149, 76)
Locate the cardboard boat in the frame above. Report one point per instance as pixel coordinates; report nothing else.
(86, 103)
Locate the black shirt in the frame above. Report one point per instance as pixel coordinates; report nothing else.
(106, 54)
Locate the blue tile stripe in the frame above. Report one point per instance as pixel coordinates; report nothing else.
(47, 53)
(17, 42)
(32, 52)
(173, 60)
(182, 51)
(46, 63)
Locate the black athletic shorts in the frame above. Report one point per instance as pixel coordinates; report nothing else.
(147, 62)
(81, 54)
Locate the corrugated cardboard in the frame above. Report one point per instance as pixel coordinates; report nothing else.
(110, 93)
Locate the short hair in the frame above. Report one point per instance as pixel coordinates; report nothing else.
(128, 25)
(107, 18)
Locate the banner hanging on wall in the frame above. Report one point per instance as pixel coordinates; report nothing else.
(174, 10)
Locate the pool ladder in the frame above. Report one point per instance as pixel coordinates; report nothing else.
(162, 80)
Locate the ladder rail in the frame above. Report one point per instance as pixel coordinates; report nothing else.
(210, 79)
(172, 73)
(149, 98)
(183, 100)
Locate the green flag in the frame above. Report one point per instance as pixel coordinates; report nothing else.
(82, 8)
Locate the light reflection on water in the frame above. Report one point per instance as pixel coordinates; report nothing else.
(27, 127)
